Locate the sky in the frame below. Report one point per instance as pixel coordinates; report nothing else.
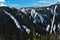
(26, 3)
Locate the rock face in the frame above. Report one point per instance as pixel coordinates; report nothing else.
(14, 22)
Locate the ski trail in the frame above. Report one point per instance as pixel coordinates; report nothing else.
(53, 19)
(14, 19)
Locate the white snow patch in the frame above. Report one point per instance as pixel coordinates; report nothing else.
(14, 19)
(27, 30)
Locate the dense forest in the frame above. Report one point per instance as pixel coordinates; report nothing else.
(30, 23)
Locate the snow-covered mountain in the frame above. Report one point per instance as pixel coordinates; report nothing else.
(45, 19)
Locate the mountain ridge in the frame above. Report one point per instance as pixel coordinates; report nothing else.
(40, 17)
